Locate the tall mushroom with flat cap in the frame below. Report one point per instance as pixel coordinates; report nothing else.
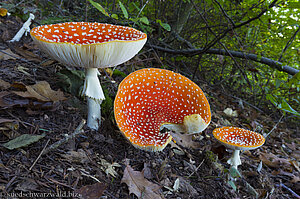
(150, 99)
(91, 46)
(238, 139)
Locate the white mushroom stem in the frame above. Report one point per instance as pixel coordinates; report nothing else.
(191, 124)
(25, 28)
(94, 113)
(92, 87)
(235, 159)
(93, 90)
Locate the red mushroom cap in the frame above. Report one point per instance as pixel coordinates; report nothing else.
(238, 138)
(89, 45)
(149, 98)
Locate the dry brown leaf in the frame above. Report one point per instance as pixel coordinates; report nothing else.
(4, 85)
(140, 186)
(295, 179)
(185, 140)
(8, 54)
(3, 12)
(4, 103)
(76, 156)
(42, 92)
(272, 160)
(28, 55)
(93, 191)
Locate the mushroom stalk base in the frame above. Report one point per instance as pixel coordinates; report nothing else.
(92, 87)
(235, 159)
(94, 113)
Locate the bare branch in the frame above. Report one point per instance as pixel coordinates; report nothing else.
(288, 43)
(192, 52)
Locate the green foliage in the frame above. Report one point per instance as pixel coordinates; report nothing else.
(99, 7)
(135, 18)
(107, 104)
(164, 25)
(125, 13)
(23, 140)
(117, 72)
(72, 81)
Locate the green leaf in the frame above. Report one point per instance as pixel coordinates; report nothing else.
(125, 13)
(164, 25)
(114, 16)
(234, 172)
(144, 20)
(287, 108)
(231, 183)
(72, 80)
(22, 141)
(272, 99)
(295, 79)
(99, 7)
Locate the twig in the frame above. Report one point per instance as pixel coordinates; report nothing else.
(290, 190)
(77, 131)
(39, 155)
(275, 126)
(224, 33)
(196, 169)
(224, 13)
(289, 43)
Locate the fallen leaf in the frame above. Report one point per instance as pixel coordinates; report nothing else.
(93, 191)
(140, 186)
(8, 54)
(272, 160)
(186, 187)
(22, 141)
(3, 12)
(27, 185)
(4, 85)
(147, 172)
(42, 91)
(76, 156)
(185, 140)
(27, 54)
(109, 168)
(8, 124)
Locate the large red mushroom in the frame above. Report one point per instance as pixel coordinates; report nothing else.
(91, 46)
(150, 99)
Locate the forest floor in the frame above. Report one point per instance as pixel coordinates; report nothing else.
(93, 164)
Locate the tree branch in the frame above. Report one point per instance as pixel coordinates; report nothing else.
(192, 52)
(288, 43)
(222, 35)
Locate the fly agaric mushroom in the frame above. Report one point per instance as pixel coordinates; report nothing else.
(151, 99)
(91, 46)
(238, 139)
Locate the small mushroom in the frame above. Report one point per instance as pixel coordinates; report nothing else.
(149, 100)
(238, 139)
(91, 46)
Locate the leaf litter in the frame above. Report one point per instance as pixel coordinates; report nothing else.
(52, 175)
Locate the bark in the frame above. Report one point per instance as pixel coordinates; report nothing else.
(192, 52)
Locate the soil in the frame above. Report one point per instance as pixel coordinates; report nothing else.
(202, 171)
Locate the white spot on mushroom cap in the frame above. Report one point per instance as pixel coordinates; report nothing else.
(238, 138)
